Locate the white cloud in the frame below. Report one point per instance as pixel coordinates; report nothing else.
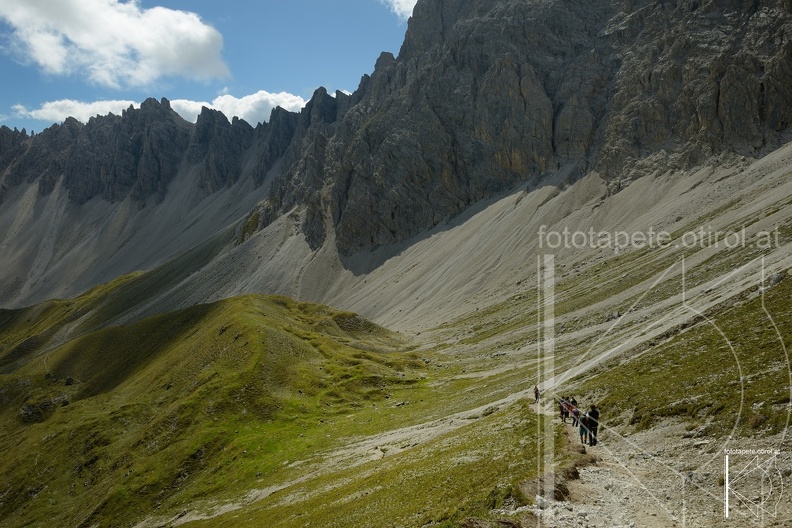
(402, 8)
(114, 44)
(58, 111)
(189, 110)
(254, 108)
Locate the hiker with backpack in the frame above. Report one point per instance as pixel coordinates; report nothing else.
(564, 406)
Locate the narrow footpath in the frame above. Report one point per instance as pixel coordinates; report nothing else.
(662, 478)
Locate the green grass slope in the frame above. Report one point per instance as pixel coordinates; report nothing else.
(726, 373)
(481, 467)
(210, 401)
(28, 331)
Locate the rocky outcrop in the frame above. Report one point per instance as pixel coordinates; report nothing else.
(10, 142)
(697, 78)
(11, 146)
(219, 148)
(135, 154)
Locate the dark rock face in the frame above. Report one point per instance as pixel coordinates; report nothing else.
(697, 78)
(484, 95)
(11, 146)
(219, 147)
(136, 154)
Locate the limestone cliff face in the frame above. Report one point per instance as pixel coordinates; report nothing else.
(219, 148)
(487, 94)
(696, 78)
(483, 95)
(137, 154)
(11, 146)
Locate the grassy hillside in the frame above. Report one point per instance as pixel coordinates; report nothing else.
(208, 401)
(466, 474)
(217, 407)
(28, 331)
(728, 372)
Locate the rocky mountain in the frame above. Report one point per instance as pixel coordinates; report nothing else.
(135, 155)
(483, 97)
(487, 94)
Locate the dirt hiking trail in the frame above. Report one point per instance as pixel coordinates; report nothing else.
(667, 477)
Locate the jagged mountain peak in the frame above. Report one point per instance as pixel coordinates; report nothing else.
(486, 95)
(483, 97)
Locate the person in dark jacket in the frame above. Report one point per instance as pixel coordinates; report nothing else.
(593, 424)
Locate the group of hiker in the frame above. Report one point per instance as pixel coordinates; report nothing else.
(587, 421)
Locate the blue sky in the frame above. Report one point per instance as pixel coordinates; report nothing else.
(88, 57)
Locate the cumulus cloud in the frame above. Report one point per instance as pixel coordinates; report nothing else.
(254, 108)
(57, 111)
(115, 44)
(402, 8)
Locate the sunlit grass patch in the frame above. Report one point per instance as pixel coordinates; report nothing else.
(465, 473)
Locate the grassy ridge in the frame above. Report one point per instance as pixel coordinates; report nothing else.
(27, 331)
(204, 402)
